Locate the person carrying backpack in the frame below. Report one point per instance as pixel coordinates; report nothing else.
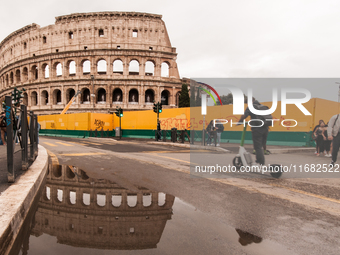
(210, 132)
(259, 132)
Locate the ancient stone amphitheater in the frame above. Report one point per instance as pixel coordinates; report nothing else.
(113, 58)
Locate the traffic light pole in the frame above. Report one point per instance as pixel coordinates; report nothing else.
(120, 127)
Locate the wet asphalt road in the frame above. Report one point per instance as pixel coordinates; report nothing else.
(286, 225)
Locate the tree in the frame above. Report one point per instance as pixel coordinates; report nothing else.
(184, 99)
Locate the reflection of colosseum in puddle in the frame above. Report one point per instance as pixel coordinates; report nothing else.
(122, 58)
(85, 212)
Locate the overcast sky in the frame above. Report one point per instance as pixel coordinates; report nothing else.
(229, 38)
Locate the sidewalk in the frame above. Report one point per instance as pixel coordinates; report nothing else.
(234, 147)
(3, 165)
(16, 198)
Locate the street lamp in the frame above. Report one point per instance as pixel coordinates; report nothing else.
(92, 95)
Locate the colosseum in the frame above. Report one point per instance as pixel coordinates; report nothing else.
(114, 59)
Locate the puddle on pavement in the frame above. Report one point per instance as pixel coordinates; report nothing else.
(79, 214)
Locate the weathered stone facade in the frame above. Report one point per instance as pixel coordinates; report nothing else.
(120, 59)
(91, 213)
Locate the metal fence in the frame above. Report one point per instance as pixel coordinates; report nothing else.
(19, 130)
(173, 135)
(100, 133)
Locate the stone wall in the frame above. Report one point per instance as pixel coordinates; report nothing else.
(114, 59)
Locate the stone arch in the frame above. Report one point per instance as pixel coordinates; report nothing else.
(165, 95)
(161, 199)
(57, 97)
(58, 69)
(101, 66)
(47, 195)
(44, 98)
(149, 96)
(83, 175)
(46, 70)
(101, 96)
(86, 199)
(132, 200)
(57, 171)
(165, 69)
(72, 197)
(134, 67)
(25, 74)
(101, 199)
(70, 92)
(11, 78)
(147, 199)
(71, 67)
(86, 65)
(133, 96)
(25, 99)
(17, 76)
(34, 71)
(116, 200)
(7, 80)
(118, 66)
(85, 96)
(60, 194)
(149, 68)
(69, 173)
(34, 98)
(117, 95)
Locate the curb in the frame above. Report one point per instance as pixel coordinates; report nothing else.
(191, 146)
(101, 138)
(18, 199)
(291, 150)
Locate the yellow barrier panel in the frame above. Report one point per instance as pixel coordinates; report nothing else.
(186, 118)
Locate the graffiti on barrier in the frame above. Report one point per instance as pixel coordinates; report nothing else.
(99, 124)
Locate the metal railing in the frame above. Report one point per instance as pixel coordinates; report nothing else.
(99, 133)
(175, 135)
(18, 129)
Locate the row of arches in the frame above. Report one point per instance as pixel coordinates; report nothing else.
(133, 67)
(100, 97)
(116, 200)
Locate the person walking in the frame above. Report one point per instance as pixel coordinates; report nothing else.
(334, 135)
(209, 130)
(327, 143)
(259, 131)
(320, 138)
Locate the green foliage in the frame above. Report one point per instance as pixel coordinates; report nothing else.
(184, 99)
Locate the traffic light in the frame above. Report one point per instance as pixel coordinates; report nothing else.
(155, 107)
(119, 112)
(16, 96)
(160, 107)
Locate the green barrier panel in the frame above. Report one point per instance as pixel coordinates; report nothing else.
(274, 138)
